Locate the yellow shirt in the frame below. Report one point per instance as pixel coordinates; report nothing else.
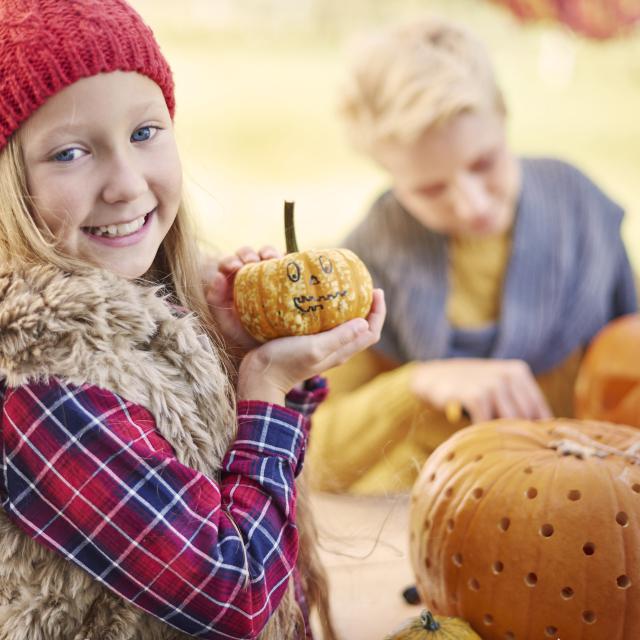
(372, 435)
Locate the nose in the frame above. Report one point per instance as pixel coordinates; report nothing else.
(471, 199)
(124, 179)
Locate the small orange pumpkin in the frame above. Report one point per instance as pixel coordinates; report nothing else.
(303, 293)
(532, 530)
(608, 383)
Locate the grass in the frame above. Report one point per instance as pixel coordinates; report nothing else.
(256, 84)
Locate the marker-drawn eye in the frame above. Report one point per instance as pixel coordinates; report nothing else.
(325, 264)
(293, 271)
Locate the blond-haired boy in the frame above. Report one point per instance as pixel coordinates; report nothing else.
(497, 270)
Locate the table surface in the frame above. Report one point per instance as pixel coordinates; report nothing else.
(364, 546)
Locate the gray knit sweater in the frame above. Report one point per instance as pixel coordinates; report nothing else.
(568, 274)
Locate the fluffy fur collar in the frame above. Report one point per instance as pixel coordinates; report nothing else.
(100, 329)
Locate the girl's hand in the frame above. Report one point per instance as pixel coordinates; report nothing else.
(269, 372)
(219, 297)
(486, 389)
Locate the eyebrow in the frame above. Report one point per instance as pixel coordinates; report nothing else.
(140, 110)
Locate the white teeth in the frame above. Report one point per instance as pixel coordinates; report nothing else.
(117, 230)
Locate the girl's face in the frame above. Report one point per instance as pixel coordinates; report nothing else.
(103, 170)
(459, 179)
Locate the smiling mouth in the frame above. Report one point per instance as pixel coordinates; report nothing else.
(119, 230)
(315, 303)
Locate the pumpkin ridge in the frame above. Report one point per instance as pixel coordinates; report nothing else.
(514, 468)
(459, 472)
(623, 544)
(261, 283)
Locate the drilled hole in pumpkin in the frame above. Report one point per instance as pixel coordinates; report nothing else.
(448, 492)
(497, 567)
(450, 456)
(622, 518)
(551, 631)
(427, 563)
(589, 616)
(477, 493)
(546, 530)
(487, 619)
(588, 548)
(567, 593)
(574, 495)
(432, 477)
(456, 558)
(635, 487)
(474, 585)
(531, 579)
(509, 635)
(450, 524)
(624, 582)
(504, 524)
(478, 458)
(532, 492)
(528, 470)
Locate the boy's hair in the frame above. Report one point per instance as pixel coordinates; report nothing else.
(412, 77)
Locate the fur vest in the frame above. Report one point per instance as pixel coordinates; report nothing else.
(103, 330)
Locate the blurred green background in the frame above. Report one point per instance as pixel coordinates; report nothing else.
(257, 80)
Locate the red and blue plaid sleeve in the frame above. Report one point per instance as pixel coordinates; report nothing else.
(306, 398)
(87, 474)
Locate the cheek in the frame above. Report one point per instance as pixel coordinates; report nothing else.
(427, 211)
(168, 179)
(57, 204)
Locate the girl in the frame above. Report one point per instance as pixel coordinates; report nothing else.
(144, 495)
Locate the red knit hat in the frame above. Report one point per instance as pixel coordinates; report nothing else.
(46, 45)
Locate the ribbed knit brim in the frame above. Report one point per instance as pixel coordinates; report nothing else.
(46, 45)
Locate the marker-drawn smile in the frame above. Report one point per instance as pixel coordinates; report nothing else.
(305, 300)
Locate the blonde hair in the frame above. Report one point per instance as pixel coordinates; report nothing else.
(412, 77)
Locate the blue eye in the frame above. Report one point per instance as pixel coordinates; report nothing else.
(143, 133)
(67, 155)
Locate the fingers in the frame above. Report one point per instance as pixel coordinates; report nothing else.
(218, 292)
(245, 255)
(377, 313)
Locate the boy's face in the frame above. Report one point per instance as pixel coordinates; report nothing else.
(103, 170)
(459, 179)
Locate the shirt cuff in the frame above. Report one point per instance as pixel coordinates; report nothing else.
(306, 397)
(271, 429)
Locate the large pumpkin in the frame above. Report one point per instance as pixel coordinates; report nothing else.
(303, 293)
(532, 530)
(608, 383)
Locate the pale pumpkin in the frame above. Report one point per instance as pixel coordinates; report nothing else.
(430, 627)
(608, 382)
(532, 530)
(303, 293)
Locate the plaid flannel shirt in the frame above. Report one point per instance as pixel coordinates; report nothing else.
(86, 473)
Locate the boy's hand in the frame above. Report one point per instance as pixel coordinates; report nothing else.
(268, 372)
(485, 388)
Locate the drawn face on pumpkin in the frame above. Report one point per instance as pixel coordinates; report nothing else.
(315, 274)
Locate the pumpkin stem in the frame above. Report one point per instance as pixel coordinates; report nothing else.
(582, 446)
(289, 228)
(428, 621)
